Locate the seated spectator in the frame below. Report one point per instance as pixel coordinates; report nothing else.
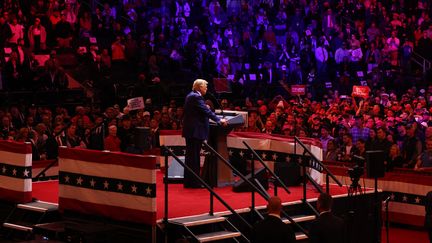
(72, 139)
(328, 227)
(165, 123)
(411, 147)
(272, 229)
(332, 151)
(325, 138)
(268, 127)
(381, 142)
(347, 150)
(112, 142)
(360, 148)
(42, 137)
(358, 130)
(424, 160)
(154, 133)
(394, 158)
(252, 124)
(6, 127)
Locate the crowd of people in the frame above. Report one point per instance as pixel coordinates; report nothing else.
(255, 44)
(260, 46)
(346, 127)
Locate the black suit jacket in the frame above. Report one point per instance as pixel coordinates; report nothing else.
(272, 229)
(328, 228)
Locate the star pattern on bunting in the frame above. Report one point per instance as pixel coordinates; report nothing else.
(92, 183)
(15, 171)
(230, 152)
(120, 186)
(264, 155)
(106, 185)
(148, 191)
(275, 157)
(79, 181)
(241, 153)
(405, 198)
(134, 188)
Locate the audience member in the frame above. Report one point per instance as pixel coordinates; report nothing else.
(112, 142)
(328, 227)
(272, 228)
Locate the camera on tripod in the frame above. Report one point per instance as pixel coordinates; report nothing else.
(355, 172)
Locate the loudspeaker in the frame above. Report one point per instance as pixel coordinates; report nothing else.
(289, 173)
(260, 175)
(142, 138)
(375, 164)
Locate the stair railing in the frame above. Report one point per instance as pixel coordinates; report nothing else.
(314, 162)
(167, 153)
(421, 61)
(254, 187)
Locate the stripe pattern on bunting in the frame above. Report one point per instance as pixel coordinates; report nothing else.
(113, 185)
(15, 172)
(406, 189)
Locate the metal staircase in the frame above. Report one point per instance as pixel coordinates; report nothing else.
(236, 225)
(19, 224)
(208, 228)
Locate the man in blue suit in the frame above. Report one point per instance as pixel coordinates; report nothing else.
(196, 129)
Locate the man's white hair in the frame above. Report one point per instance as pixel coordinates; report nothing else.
(198, 83)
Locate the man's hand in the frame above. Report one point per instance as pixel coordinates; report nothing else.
(224, 122)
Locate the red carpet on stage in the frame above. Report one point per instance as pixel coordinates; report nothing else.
(185, 202)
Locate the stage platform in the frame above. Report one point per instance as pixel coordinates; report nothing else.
(188, 202)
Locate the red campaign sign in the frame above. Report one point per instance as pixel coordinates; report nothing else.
(298, 89)
(361, 91)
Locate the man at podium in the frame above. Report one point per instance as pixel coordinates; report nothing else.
(196, 129)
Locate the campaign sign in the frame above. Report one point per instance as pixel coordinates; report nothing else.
(361, 91)
(298, 89)
(136, 103)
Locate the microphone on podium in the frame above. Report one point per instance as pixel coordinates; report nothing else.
(218, 103)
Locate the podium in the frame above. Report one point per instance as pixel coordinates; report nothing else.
(215, 172)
